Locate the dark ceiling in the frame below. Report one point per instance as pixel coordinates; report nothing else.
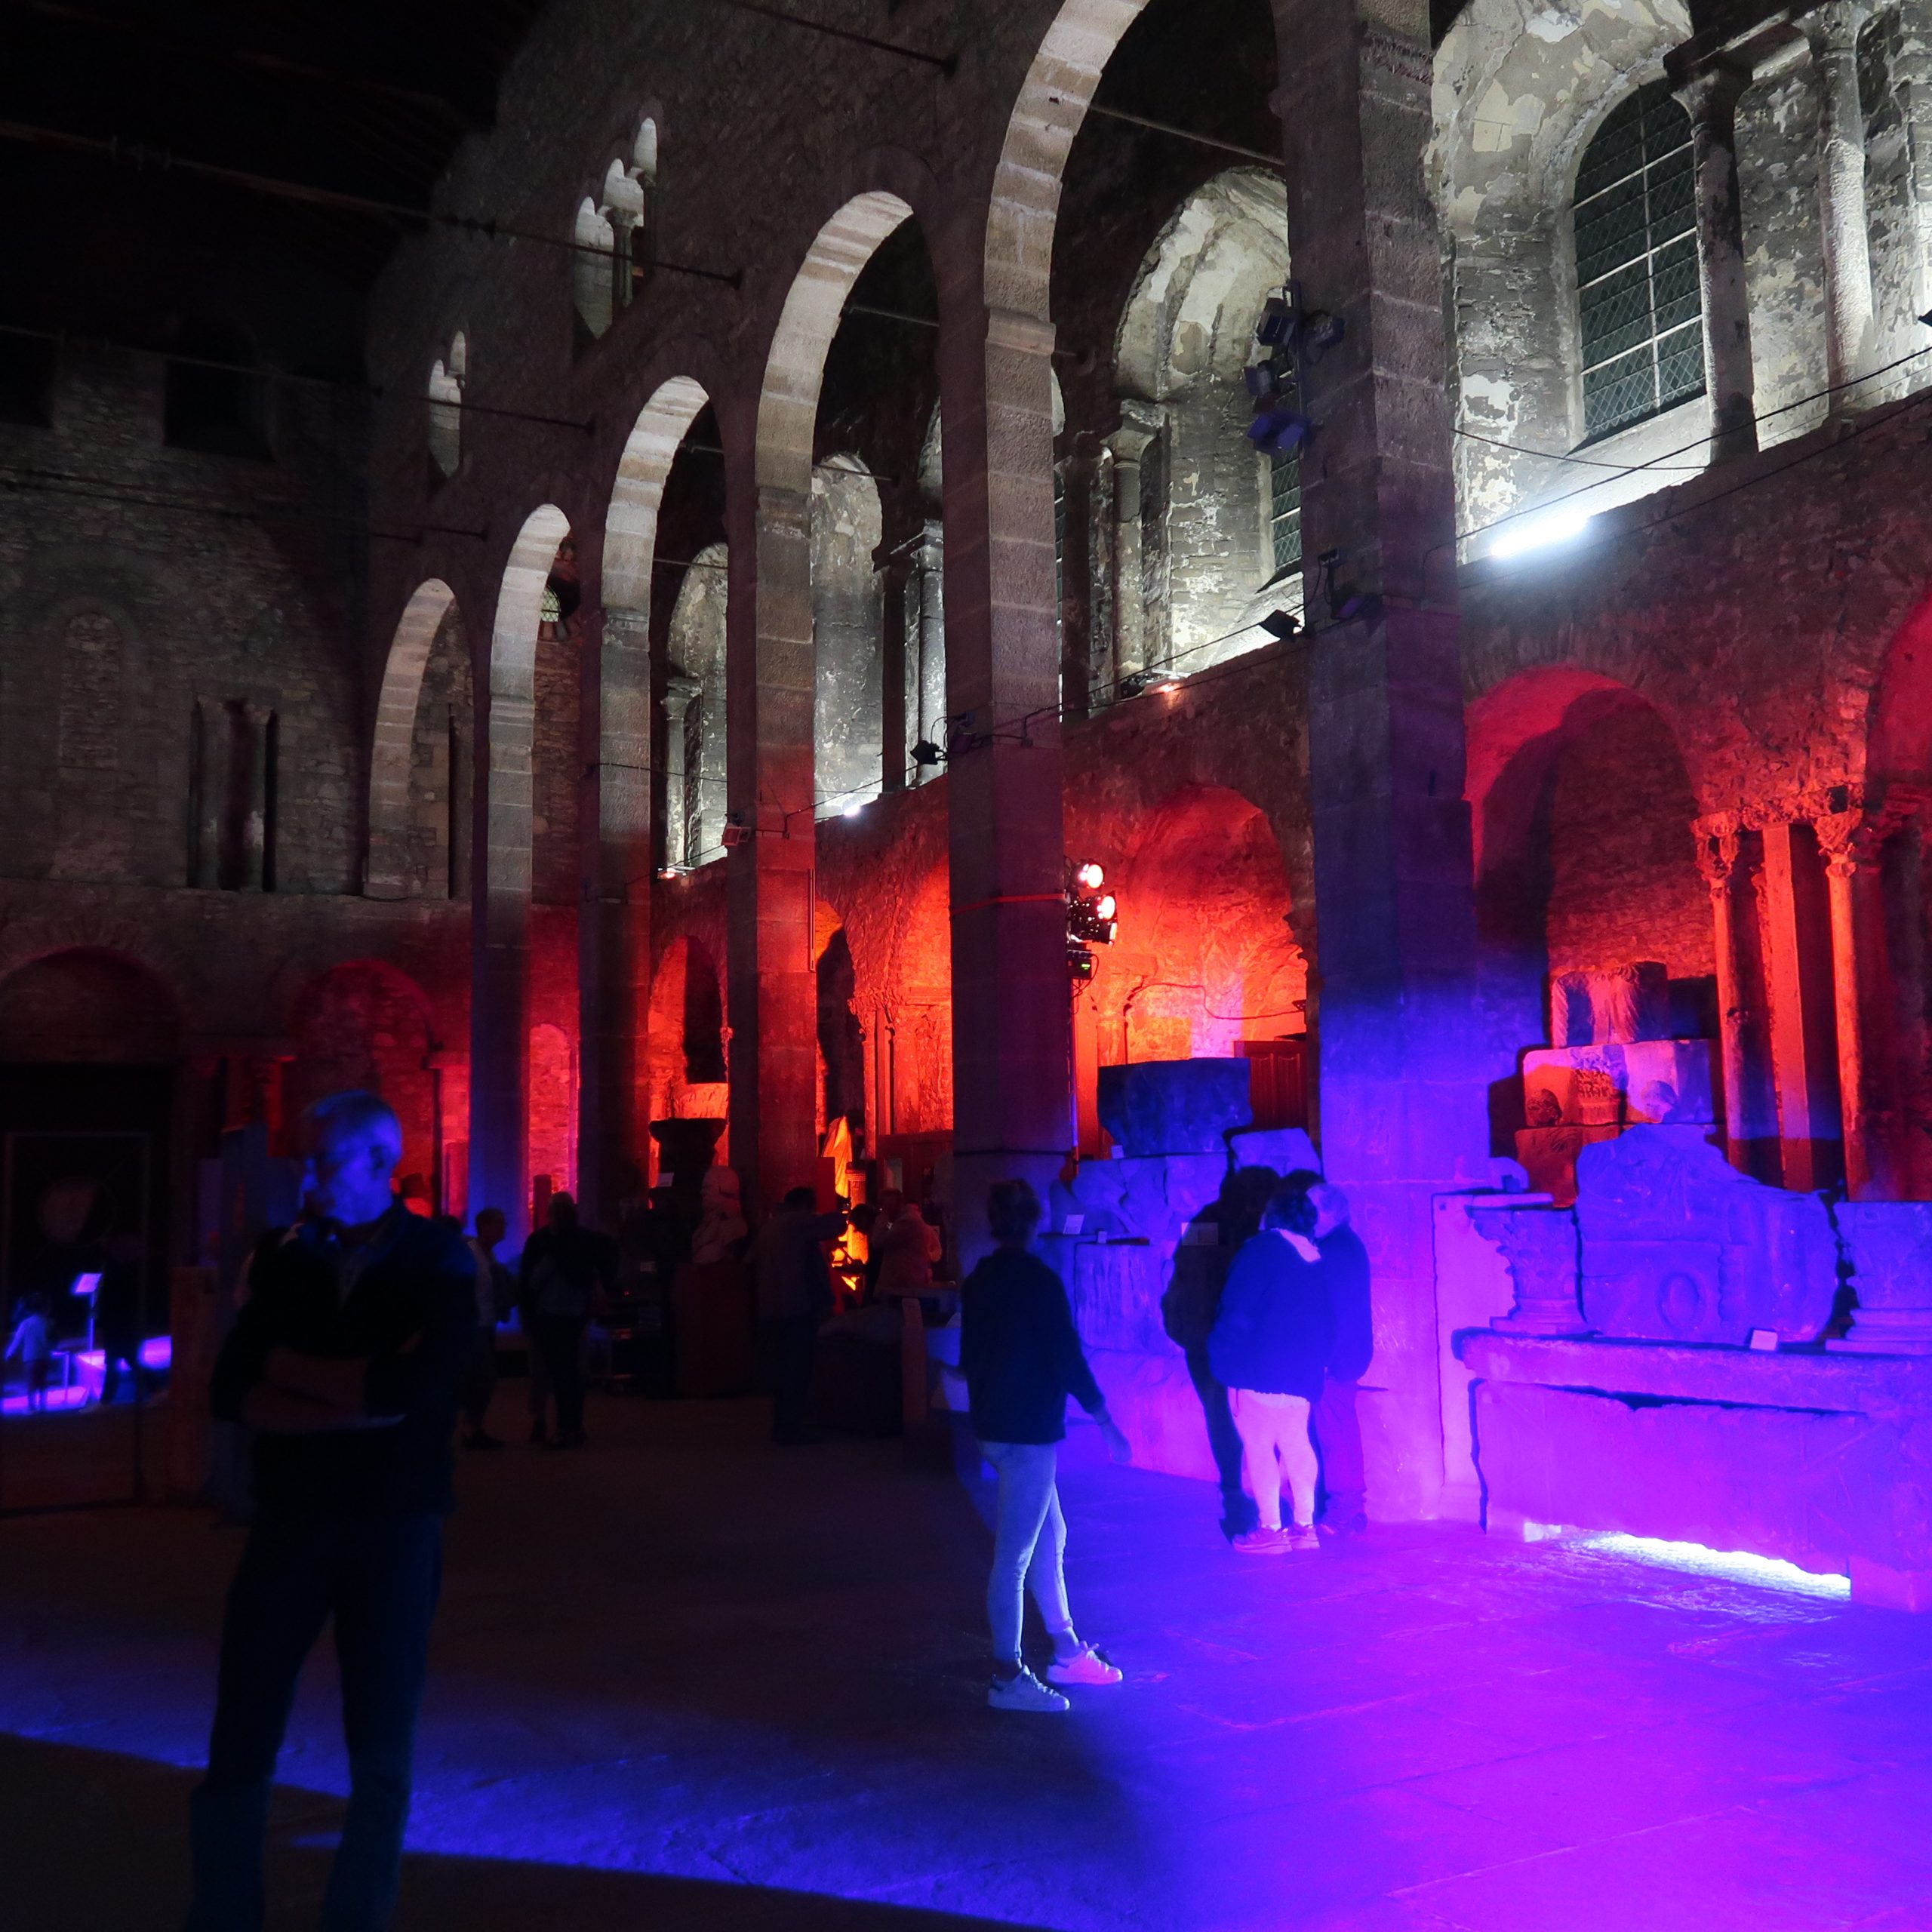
(368, 101)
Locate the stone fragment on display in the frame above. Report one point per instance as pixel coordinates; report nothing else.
(1890, 1246)
(1539, 1247)
(1656, 1082)
(1549, 1156)
(1678, 1246)
(1286, 1149)
(1614, 1005)
(1178, 1106)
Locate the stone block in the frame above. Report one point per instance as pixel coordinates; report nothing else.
(1549, 1156)
(1617, 1005)
(1656, 1082)
(1184, 1106)
(1678, 1246)
(1889, 1243)
(1284, 1149)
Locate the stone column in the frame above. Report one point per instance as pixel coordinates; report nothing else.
(1129, 445)
(1012, 1033)
(1795, 917)
(1912, 81)
(1402, 1093)
(257, 726)
(1851, 840)
(774, 1003)
(1076, 574)
(927, 696)
(893, 573)
(613, 936)
(500, 956)
(624, 232)
(1832, 32)
(1720, 856)
(1710, 97)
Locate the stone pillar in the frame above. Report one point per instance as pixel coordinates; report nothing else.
(1129, 445)
(1076, 612)
(1402, 1092)
(499, 956)
(1911, 82)
(1832, 32)
(1851, 840)
(927, 696)
(1012, 1034)
(614, 936)
(1710, 97)
(1726, 855)
(894, 571)
(774, 1002)
(1795, 920)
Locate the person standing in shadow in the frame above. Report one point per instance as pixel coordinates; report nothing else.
(1188, 1310)
(794, 1296)
(1337, 1427)
(566, 1271)
(344, 1361)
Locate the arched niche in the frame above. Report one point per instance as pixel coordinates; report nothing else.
(421, 765)
(87, 1005)
(695, 712)
(848, 644)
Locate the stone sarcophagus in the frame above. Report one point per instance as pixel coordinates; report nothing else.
(1676, 1245)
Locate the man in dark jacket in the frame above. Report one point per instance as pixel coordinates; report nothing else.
(1021, 1356)
(565, 1270)
(1337, 1430)
(345, 1361)
(794, 1296)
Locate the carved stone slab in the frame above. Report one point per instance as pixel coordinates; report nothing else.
(1618, 1005)
(1175, 1106)
(1678, 1246)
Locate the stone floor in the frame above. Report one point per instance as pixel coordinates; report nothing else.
(685, 1681)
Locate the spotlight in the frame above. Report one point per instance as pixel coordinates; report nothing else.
(926, 752)
(1091, 875)
(671, 872)
(854, 810)
(1279, 431)
(1281, 624)
(1109, 905)
(1540, 532)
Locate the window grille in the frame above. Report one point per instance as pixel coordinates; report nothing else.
(1637, 291)
(1285, 508)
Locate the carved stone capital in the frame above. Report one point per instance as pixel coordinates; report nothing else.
(1539, 1246)
(1717, 844)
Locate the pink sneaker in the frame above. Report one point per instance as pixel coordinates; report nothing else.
(1262, 1542)
(1086, 1666)
(1302, 1538)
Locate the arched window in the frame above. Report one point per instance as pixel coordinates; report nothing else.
(1639, 302)
(446, 381)
(590, 270)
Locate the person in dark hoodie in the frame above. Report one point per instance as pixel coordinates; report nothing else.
(1336, 1429)
(1270, 1348)
(1021, 1356)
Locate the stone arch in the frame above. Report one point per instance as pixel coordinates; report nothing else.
(499, 1009)
(637, 495)
(848, 526)
(88, 1004)
(1585, 858)
(695, 701)
(1899, 733)
(1195, 502)
(1205, 959)
(685, 1068)
(1516, 99)
(365, 1023)
(386, 873)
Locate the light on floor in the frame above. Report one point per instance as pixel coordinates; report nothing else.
(1737, 1566)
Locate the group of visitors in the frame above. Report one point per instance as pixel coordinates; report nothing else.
(358, 1348)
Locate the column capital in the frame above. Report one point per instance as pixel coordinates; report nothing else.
(1717, 838)
(1833, 27)
(1710, 91)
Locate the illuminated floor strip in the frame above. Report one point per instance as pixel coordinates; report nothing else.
(1736, 1566)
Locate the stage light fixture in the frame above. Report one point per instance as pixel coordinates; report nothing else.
(1091, 875)
(1278, 431)
(1281, 625)
(1109, 905)
(926, 752)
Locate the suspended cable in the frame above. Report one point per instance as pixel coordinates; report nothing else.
(1256, 154)
(946, 63)
(142, 157)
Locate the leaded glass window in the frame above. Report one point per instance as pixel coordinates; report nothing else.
(1641, 305)
(1285, 508)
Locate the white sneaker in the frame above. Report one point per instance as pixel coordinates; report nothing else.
(1023, 1693)
(1086, 1666)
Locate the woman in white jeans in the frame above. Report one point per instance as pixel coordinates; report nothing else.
(1270, 1348)
(1022, 1358)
